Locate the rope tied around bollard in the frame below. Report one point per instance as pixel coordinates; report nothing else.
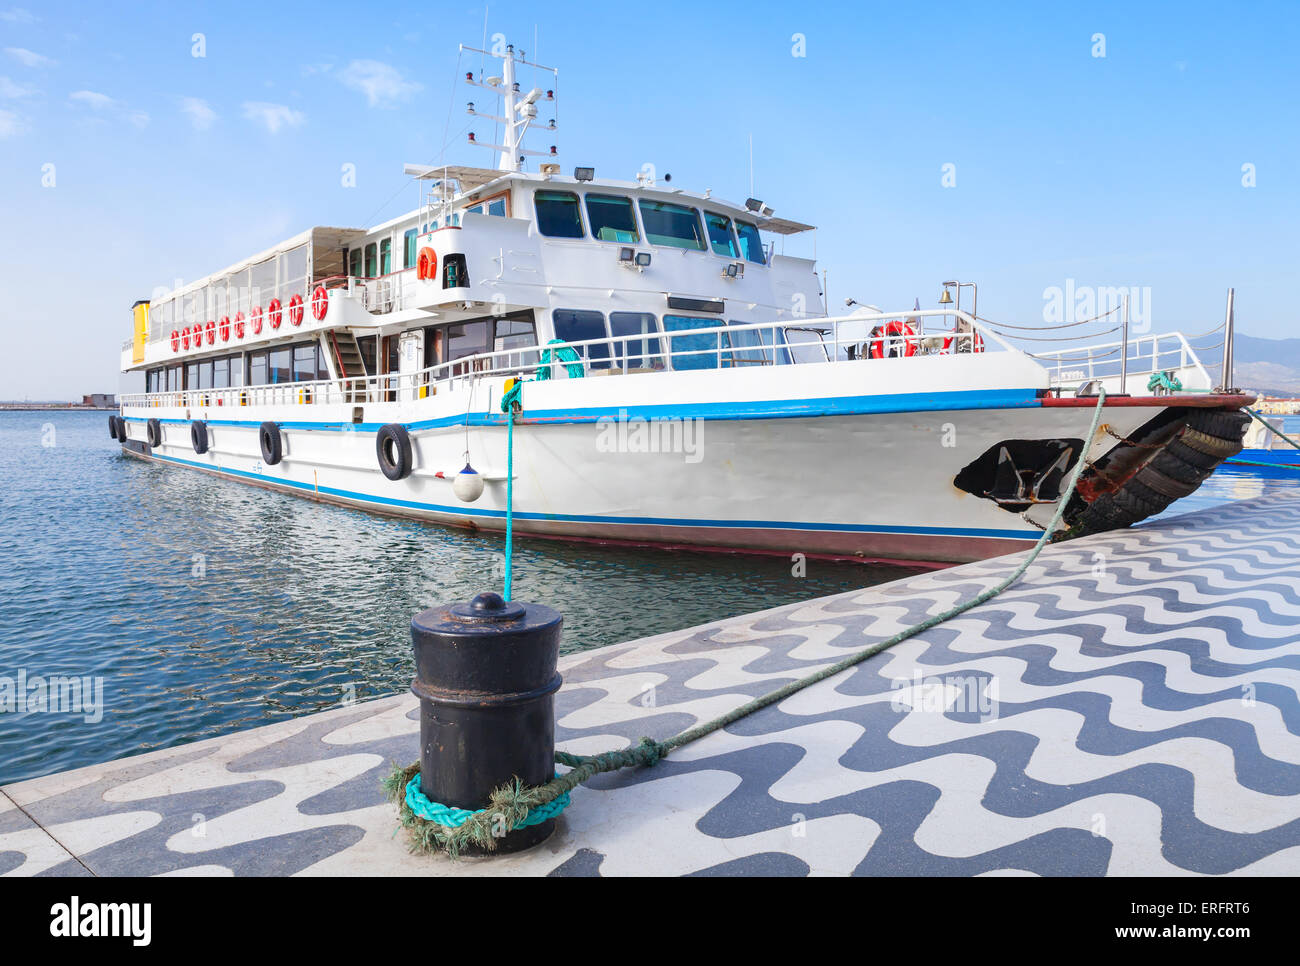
(512, 804)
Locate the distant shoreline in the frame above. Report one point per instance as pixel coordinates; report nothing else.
(54, 408)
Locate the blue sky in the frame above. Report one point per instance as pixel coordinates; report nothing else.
(1122, 170)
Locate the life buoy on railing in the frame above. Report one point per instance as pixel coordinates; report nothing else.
(224, 328)
(893, 339)
(239, 325)
(426, 266)
(176, 340)
(185, 337)
(976, 343)
(320, 303)
(273, 313)
(295, 310)
(255, 320)
(210, 331)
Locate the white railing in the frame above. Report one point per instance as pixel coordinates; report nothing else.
(1147, 355)
(723, 346)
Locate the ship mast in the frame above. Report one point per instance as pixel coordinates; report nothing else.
(520, 108)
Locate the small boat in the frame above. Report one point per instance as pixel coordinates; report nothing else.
(683, 383)
(1263, 445)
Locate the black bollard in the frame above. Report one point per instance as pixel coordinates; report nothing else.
(485, 674)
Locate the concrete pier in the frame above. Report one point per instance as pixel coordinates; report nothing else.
(1129, 708)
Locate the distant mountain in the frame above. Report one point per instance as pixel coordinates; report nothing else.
(1270, 366)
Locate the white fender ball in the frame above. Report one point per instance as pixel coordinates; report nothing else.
(468, 485)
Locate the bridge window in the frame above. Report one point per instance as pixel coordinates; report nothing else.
(576, 325)
(751, 245)
(612, 219)
(636, 353)
(702, 350)
(409, 241)
(558, 215)
(675, 226)
(720, 238)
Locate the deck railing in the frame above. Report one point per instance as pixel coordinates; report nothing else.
(720, 346)
(1147, 355)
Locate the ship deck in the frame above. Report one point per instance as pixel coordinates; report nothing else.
(1130, 707)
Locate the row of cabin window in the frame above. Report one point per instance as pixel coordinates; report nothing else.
(611, 218)
(704, 350)
(302, 362)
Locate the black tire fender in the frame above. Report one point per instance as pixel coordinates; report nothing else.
(153, 431)
(393, 448)
(272, 443)
(112, 425)
(199, 436)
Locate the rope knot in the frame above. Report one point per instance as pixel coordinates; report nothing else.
(650, 752)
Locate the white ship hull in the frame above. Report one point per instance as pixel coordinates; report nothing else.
(851, 460)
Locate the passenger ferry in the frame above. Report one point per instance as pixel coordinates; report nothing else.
(682, 381)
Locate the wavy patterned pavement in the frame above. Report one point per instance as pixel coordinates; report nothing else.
(1129, 708)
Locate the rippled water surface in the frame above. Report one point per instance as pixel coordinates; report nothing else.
(208, 606)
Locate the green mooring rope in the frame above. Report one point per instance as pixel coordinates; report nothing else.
(511, 805)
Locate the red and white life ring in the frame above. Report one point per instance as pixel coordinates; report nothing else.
(210, 331)
(255, 320)
(295, 310)
(223, 327)
(885, 340)
(176, 340)
(239, 325)
(320, 303)
(977, 343)
(426, 266)
(274, 313)
(185, 337)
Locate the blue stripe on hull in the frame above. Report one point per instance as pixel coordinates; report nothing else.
(770, 409)
(463, 511)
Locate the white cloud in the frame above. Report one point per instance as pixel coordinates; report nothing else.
(17, 15)
(12, 91)
(10, 124)
(92, 99)
(382, 83)
(272, 116)
(138, 118)
(201, 116)
(29, 58)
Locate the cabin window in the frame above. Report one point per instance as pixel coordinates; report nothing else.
(257, 369)
(175, 380)
(354, 267)
(496, 207)
(409, 242)
(386, 256)
(721, 239)
(467, 339)
(612, 219)
(636, 353)
(751, 245)
(702, 350)
(372, 261)
(806, 344)
(309, 362)
(576, 325)
(516, 334)
(751, 347)
(557, 214)
(236, 371)
(205, 374)
(192, 376)
(675, 226)
(281, 363)
(221, 373)
(368, 346)
(151, 381)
